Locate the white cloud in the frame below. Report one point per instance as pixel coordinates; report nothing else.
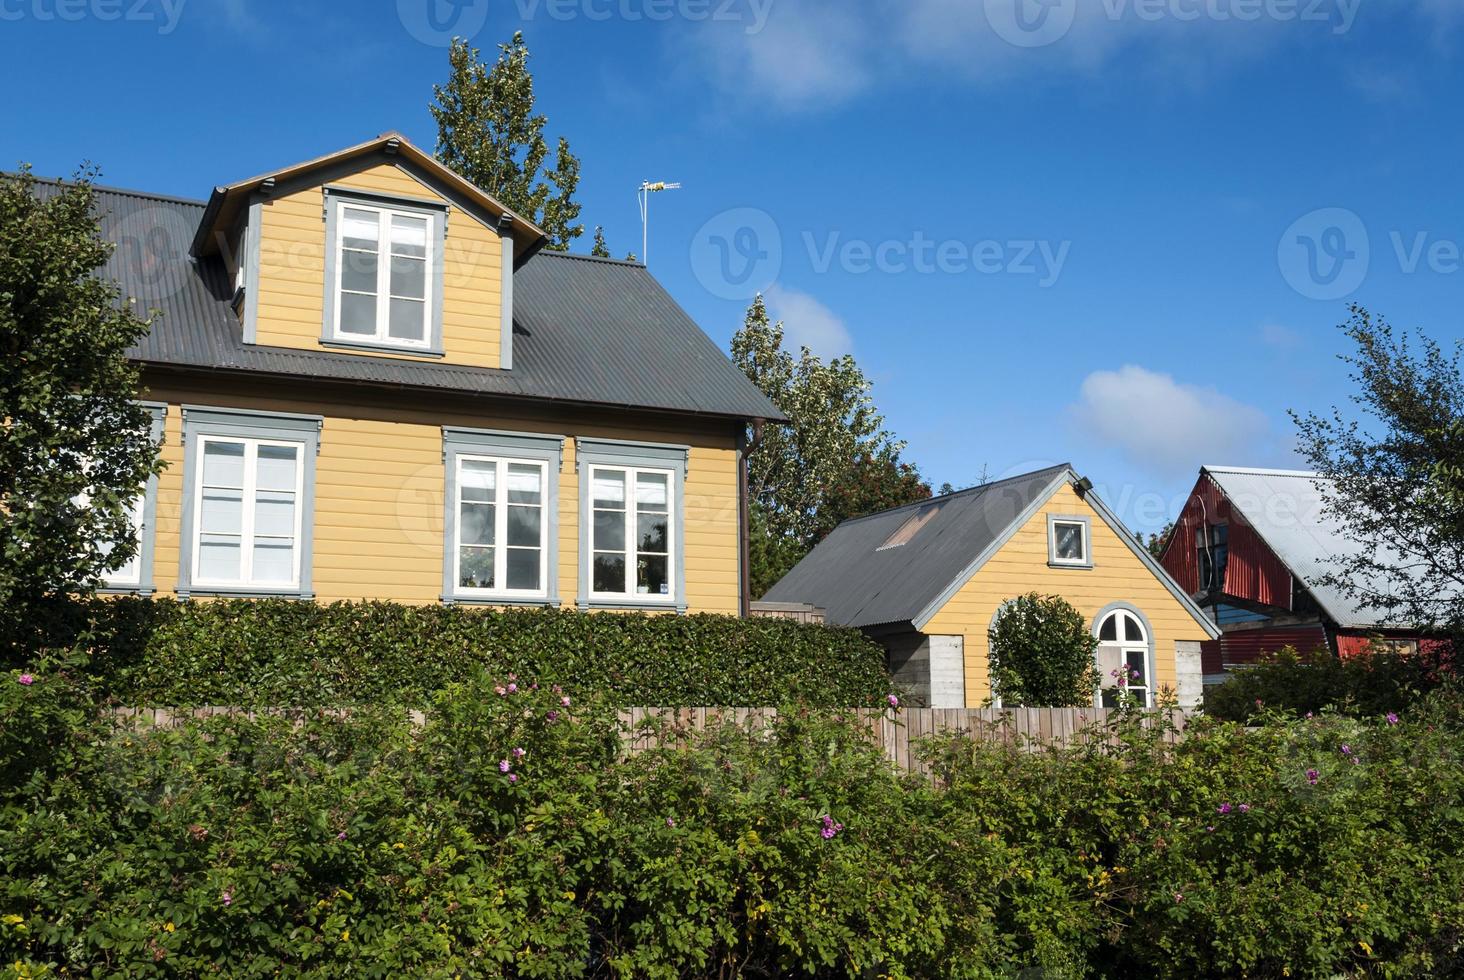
(1280, 336)
(808, 323)
(818, 53)
(1170, 426)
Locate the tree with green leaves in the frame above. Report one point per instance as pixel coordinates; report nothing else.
(1157, 542)
(75, 445)
(600, 249)
(1393, 480)
(488, 132)
(1042, 653)
(833, 461)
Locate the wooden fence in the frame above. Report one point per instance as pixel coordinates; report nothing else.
(898, 732)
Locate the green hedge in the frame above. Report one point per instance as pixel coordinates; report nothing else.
(278, 652)
(1289, 681)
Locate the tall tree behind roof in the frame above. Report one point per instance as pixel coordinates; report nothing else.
(489, 133)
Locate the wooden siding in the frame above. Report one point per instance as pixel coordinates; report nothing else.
(292, 271)
(1252, 570)
(380, 481)
(1021, 567)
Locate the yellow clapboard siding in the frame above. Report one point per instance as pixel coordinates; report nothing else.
(379, 493)
(1021, 567)
(292, 242)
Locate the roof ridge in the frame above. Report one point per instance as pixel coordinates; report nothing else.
(941, 498)
(637, 264)
(1264, 471)
(124, 191)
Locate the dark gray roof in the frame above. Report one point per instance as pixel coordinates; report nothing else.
(586, 330)
(861, 585)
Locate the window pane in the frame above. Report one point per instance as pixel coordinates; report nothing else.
(408, 320)
(651, 576)
(409, 278)
(360, 229)
(358, 314)
(1110, 697)
(358, 271)
(650, 491)
(523, 568)
(523, 526)
(475, 524)
(274, 514)
(609, 531)
(475, 568)
(1069, 541)
(274, 561)
(609, 573)
(275, 469)
(477, 479)
(1135, 662)
(221, 512)
(524, 484)
(223, 464)
(1132, 631)
(652, 535)
(608, 488)
(218, 559)
(408, 235)
(1109, 630)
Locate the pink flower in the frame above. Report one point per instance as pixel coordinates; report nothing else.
(227, 897)
(1178, 897)
(504, 765)
(557, 689)
(830, 828)
(670, 821)
(518, 753)
(552, 716)
(1224, 808)
(1346, 750)
(513, 689)
(500, 690)
(341, 835)
(1392, 718)
(513, 777)
(1312, 776)
(26, 679)
(1245, 808)
(564, 702)
(894, 701)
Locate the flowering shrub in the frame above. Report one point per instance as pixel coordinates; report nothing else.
(510, 835)
(285, 653)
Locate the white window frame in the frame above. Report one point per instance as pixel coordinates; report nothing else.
(1123, 647)
(1085, 534)
(384, 214)
(631, 551)
(246, 518)
(115, 580)
(500, 527)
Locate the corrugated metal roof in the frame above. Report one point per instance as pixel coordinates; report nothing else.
(860, 583)
(586, 330)
(1285, 507)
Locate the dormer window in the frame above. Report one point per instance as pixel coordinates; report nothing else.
(384, 276)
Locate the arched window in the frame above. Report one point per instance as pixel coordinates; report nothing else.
(1123, 657)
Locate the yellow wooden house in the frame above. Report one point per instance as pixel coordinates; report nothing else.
(927, 580)
(371, 381)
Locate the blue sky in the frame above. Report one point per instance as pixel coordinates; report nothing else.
(1116, 232)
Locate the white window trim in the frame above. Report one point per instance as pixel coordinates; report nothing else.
(114, 580)
(382, 337)
(249, 503)
(500, 528)
(631, 550)
(1086, 526)
(1123, 647)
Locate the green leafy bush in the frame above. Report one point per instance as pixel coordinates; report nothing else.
(1374, 684)
(284, 653)
(1042, 653)
(508, 836)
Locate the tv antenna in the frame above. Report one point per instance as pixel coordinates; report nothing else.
(647, 188)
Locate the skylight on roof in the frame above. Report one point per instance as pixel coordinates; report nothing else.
(911, 527)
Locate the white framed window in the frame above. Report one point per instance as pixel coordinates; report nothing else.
(129, 576)
(384, 272)
(1123, 658)
(500, 537)
(632, 534)
(248, 512)
(1069, 541)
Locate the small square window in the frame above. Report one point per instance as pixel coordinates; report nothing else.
(1067, 542)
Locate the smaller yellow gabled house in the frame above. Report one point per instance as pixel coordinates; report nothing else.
(927, 580)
